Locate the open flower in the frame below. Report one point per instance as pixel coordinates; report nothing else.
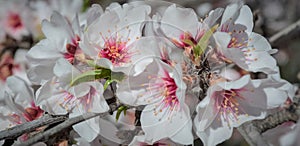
(61, 41)
(107, 40)
(44, 9)
(228, 105)
(75, 100)
(181, 25)
(18, 105)
(278, 90)
(161, 89)
(19, 98)
(15, 18)
(236, 43)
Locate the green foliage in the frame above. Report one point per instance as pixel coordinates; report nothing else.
(86, 5)
(91, 75)
(200, 48)
(120, 110)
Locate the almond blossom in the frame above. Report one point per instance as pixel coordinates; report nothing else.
(75, 100)
(150, 73)
(15, 18)
(228, 105)
(62, 41)
(107, 40)
(18, 105)
(180, 25)
(237, 43)
(162, 90)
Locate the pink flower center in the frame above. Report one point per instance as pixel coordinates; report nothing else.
(32, 113)
(115, 51)
(227, 104)
(70, 100)
(163, 88)
(170, 98)
(7, 66)
(185, 40)
(239, 37)
(14, 21)
(71, 49)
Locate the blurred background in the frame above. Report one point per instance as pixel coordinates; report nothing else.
(271, 17)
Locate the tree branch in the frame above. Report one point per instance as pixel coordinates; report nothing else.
(18, 130)
(276, 119)
(66, 124)
(45, 135)
(284, 32)
(251, 134)
(252, 130)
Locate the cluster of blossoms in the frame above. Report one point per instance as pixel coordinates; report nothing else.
(176, 76)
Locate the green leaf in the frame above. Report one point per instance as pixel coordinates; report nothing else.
(107, 83)
(120, 110)
(86, 5)
(203, 43)
(91, 75)
(115, 77)
(92, 63)
(189, 42)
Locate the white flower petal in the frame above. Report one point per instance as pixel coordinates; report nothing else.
(245, 18)
(176, 124)
(177, 20)
(88, 129)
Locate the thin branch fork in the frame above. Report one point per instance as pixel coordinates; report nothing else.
(16, 131)
(44, 136)
(68, 123)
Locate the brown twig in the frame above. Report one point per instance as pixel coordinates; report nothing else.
(46, 135)
(276, 119)
(18, 130)
(284, 32)
(68, 123)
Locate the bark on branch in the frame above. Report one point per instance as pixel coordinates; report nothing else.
(72, 121)
(44, 136)
(16, 131)
(251, 131)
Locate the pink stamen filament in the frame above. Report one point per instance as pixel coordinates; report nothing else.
(226, 102)
(164, 88)
(87, 99)
(116, 51)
